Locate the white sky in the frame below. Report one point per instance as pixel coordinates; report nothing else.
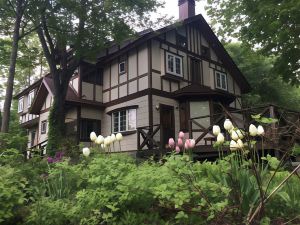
(172, 9)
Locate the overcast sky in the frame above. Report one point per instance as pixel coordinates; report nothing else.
(171, 8)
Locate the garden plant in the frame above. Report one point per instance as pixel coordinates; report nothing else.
(243, 186)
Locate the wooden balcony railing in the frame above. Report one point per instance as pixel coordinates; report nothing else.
(285, 132)
(146, 137)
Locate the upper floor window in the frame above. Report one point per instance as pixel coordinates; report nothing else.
(124, 120)
(221, 80)
(21, 104)
(44, 127)
(122, 67)
(30, 99)
(174, 64)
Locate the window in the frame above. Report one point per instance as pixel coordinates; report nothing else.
(221, 81)
(122, 67)
(21, 104)
(30, 99)
(174, 64)
(44, 127)
(195, 70)
(124, 120)
(205, 51)
(200, 109)
(87, 126)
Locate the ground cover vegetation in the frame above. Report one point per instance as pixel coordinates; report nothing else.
(103, 188)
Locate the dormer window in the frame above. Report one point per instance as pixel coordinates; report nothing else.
(30, 99)
(221, 80)
(20, 105)
(174, 64)
(122, 67)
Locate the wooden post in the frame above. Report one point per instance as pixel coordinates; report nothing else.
(138, 139)
(274, 134)
(190, 129)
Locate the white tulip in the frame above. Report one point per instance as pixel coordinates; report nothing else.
(260, 130)
(234, 135)
(216, 130)
(233, 145)
(252, 130)
(228, 124)
(102, 146)
(86, 151)
(240, 133)
(220, 138)
(93, 136)
(119, 137)
(240, 143)
(107, 140)
(113, 138)
(99, 140)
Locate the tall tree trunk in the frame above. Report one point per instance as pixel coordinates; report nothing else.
(12, 68)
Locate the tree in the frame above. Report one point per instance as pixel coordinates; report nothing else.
(12, 15)
(72, 30)
(270, 25)
(268, 86)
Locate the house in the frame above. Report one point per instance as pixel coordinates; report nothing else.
(149, 88)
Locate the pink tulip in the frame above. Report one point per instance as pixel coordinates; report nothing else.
(177, 149)
(187, 144)
(171, 143)
(192, 143)
(180, 142)
(181, 134)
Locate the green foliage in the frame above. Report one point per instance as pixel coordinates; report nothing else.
(16, 138)
(270, 25)
(113, 189)
(11, 192)
(267, 86)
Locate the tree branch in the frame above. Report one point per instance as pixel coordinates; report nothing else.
(29, 31)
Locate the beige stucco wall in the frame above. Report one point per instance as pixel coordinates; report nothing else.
(142, 119)
(43, 116)
(91, 113)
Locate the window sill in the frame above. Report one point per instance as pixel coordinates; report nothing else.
(221, 89)
(125, 133)
(169, 76)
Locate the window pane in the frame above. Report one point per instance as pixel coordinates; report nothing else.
(122, 121)
(122, 67)
(131, 119)
(218, 80)
(224, 82)
(170, 63)
(198, 109)
(178, 65)
(115, 122)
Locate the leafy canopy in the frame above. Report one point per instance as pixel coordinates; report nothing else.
(271, 25)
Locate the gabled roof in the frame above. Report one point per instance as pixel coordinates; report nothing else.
(47, 86)
(209, 35)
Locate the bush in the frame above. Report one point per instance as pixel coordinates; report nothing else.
(114, 189)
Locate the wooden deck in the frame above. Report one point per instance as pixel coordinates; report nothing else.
(279, 137)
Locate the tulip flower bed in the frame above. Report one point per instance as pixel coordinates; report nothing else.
(102, 188)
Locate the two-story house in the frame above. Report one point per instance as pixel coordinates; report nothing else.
(156, 82)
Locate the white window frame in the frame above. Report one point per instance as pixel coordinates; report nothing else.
(118, 113)
(21, 104)
(174, 64)
(44, 128)
(222, 76)
(30, 99)
(124, 71)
